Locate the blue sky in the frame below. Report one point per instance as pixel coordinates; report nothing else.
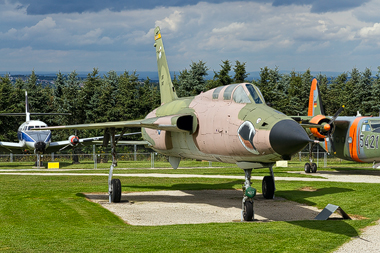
(320, 35)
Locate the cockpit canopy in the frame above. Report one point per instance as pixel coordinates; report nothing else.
(242, 93)
(31, 125)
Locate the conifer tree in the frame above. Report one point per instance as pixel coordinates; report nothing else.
(222, 77)
(192, 82)
(240, 72)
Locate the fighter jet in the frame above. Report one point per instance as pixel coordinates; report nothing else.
(352, 138)
(39, 142)
(230, 124)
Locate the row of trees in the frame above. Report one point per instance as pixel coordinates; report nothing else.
(115, 97)
(289, 93)
(96, 99)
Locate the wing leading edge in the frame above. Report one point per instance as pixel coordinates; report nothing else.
(175, 123)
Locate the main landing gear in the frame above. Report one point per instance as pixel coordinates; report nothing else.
(268, 189)
(310, 167)
(114, 185)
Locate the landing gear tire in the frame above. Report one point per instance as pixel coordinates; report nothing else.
(313, 168)
(268, 187)
(248, 210)
(116, 190)
(307, 167)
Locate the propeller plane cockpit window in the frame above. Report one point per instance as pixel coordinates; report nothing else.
(371, 125)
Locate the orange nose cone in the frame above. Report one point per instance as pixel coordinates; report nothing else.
(327, 127)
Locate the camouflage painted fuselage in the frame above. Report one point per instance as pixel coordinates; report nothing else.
(226, 129)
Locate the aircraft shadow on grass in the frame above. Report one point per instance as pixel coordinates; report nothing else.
(303, 196)
(339, 227)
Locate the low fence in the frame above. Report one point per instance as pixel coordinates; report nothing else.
(320, 158)
(96, 158)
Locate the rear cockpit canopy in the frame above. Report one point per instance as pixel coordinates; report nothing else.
(242, 93)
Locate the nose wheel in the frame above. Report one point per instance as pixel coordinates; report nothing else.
(248, 210)
(247, 213)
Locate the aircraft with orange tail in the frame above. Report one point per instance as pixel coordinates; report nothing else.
(352, 138)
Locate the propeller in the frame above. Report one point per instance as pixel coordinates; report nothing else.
(330, 131)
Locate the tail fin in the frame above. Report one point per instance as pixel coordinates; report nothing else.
(315, 101)
(167, 91)
(27, 113)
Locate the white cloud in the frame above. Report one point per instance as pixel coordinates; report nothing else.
(256, 33)
(370, 31)
(172, 22)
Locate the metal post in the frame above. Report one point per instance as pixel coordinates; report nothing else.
(152, 160)
(94, 156)
(11, 157)
(317, 154)
(325, 159)
(38, 160)
(109, 183)
(299, 155)
(134, 154)
(52, 156)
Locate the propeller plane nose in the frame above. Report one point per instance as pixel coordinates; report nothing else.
(40, 146)
(287, 137)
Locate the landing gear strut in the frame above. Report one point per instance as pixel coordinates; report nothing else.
(268, 189)
(247, 213)
(114, 185)
(310, 167)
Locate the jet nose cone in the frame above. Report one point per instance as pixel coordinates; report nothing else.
(287, 137)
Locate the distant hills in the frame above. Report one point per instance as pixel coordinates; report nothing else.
(153, 75)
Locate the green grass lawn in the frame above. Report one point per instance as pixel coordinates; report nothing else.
(50, 214)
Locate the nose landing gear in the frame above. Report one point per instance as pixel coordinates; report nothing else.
(268, 189)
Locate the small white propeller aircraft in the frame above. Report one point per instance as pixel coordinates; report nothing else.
(40, 141)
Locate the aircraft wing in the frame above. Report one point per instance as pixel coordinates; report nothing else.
(58, 145)
(304, 121)
(175, 123)
(13, 147)
(126, 142)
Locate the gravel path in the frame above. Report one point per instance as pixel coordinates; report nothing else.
(327, 176)
(368, 241)
(204, 206)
